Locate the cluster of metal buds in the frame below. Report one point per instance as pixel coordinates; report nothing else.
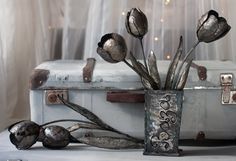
(113, 49)
(25, 134)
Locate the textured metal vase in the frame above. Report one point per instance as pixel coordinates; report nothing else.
(163, 111)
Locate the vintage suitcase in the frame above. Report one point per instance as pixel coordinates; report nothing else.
(114, 93)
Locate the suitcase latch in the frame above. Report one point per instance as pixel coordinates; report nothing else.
(228, 92)
(51, 96)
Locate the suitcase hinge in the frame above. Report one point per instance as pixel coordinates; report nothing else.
(228, 92)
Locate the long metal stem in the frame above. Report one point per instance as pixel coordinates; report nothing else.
(78, 126)
(144, 57)
(127, 63)
(190, 51)
(143, 74)
(94, 118)
(67, 120)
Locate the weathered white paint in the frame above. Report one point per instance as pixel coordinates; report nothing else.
(202, 109)
(68, 74)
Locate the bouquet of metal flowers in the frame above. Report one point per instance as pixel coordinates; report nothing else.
(113, 49)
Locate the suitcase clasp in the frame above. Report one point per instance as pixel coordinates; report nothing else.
(228, 94)
(51, 96)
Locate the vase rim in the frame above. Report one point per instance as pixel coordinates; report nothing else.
(164, 91)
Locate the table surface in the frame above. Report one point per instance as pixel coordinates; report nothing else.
(86, 153)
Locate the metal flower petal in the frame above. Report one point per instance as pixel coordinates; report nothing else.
(24, 134)
(55, 137)
(211, 27)
(112, 48)
(136, 23)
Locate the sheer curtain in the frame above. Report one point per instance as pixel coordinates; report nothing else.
(34, 31)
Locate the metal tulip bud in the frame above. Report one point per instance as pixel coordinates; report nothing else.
(136, 23)
(55, 137)
(211, 27)
(112, 48)
(24, 134)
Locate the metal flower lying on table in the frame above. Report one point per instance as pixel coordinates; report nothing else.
(25, 134)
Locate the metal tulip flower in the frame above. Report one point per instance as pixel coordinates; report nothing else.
(55, 137)
(137, 25)
(210, 28)
(113, 48)
(24, 134)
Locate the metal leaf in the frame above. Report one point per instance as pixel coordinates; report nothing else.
(185, 60)
(137, 66)
(83, 126)
(173, 65)
(153, 69)
(110, 142)
(184, 76)
(142, 72)
(92, 117)
(145, 82)
(85, 112)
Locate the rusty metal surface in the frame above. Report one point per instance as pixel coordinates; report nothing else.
(88, 70)
(228, 93)
(38, 78)
(201, 70)
(200, 136)
(67, 74)
(51, 96)
(202, 73)
(125, 97)
(163, 110)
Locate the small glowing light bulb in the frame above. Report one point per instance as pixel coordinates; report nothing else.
(123, 13)
(168, 57)
(167, 2)
(156, 38)
(162, 20)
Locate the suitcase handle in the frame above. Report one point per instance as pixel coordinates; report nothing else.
(88, 70)
(125, 96)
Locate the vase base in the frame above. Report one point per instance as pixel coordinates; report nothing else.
(179, 153)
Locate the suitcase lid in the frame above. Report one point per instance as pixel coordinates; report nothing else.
(68, 74)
